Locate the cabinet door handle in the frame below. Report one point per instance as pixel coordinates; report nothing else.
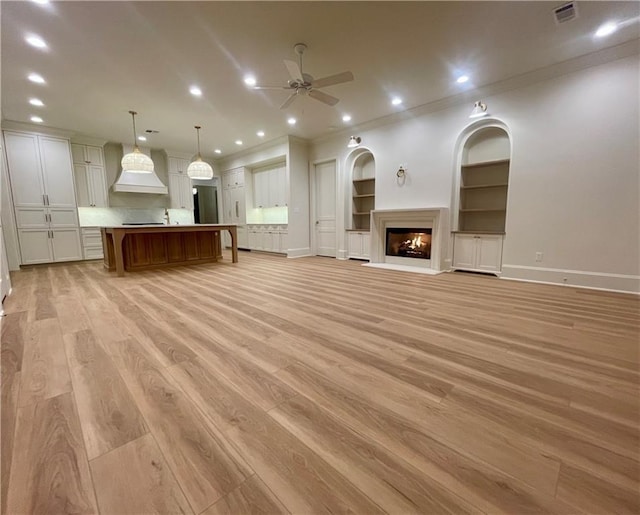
(47, 199)
(44, 200)
(237, 211)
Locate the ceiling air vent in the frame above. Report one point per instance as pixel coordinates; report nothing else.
(565, 13)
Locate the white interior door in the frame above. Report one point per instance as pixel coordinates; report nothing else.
(325, 215)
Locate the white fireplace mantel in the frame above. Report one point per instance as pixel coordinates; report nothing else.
(435, 218)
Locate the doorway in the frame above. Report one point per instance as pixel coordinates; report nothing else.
(205, 204)
(325, 208)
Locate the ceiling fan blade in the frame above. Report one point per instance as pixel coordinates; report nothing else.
(338, 78)
(288, 101)
(294, 70)
(270, 87)
(323, 97)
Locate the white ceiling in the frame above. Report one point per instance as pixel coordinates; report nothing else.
(105, 58)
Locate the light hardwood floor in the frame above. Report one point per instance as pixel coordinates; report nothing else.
(315, 385)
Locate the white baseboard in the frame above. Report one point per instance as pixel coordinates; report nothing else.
(297, 253)
(342, 254)
(404, 268)
(575, 278)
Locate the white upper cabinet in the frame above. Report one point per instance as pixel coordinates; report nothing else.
(23, 157)
(57, 172)
(180, 191)
(90, 175)
(270, 186)
(180, 188)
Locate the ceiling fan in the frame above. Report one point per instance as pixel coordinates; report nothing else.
(304, 84)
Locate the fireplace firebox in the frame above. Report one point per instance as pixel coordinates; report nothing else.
(408, 242)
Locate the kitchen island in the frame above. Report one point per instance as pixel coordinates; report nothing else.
(143, 247)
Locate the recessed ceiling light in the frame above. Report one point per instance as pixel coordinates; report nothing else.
(36, 102)
(346, 118)
(291, 121)
(462, 79)
(249, 80)
(606, 30)
(36, 119)
(218, 151)
(396, 101)
(238, 142)
(42, 2)
(34, 77)
(142, 138)
(35, 41)
(260, 134)
(195, 91)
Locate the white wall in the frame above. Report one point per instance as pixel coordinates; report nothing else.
(574, 176)
(298, 176)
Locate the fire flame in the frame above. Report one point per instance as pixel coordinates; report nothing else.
(414, 243)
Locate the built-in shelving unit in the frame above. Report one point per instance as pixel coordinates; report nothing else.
(483, 196)
(363, 191)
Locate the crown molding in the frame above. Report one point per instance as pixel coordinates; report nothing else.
(622, 51)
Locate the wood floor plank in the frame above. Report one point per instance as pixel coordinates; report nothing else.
(12, 347)
(297, 476)
(146, 485)
(50, 472)
(108, 415)
(252, 496)
(319, 385)
(45, 372)
(205, 464)
(593, 495)
(393, 484)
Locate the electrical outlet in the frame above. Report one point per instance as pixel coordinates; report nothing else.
(538, 257)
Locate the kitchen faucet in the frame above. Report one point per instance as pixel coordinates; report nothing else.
(167, 220)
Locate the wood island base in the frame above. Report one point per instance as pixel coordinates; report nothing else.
(144, 247)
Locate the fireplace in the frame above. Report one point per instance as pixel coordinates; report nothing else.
(408, 242)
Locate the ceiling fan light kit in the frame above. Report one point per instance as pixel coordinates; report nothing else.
(302, 83)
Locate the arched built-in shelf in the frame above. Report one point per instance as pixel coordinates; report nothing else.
(363, 190)
(482, 201)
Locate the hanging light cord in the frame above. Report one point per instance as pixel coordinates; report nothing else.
(135, 140)
(198, 132)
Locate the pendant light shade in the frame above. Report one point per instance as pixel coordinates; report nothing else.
(199, 169)
(136, 161)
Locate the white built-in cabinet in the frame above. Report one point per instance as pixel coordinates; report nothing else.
(42, 185)
(92, 243)
(270, 186)
(233, 196)
(234, 209)
(267, 238)
(180, 187)
(477, 252)
(358, 243)
(90, 175)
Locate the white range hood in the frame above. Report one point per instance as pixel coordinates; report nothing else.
(139, 182)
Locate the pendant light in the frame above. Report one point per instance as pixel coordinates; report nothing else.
(136, 161)
(199, 169)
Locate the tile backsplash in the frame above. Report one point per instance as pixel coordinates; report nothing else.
(109, 216)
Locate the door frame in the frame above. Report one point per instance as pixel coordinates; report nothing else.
(313, 202)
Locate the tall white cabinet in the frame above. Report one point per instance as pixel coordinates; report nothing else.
(180, 188)
(90, 175)
(41, 174)
(234, 204)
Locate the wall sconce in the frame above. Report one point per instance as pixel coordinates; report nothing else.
(479, 110)
(354, 141)
(400, 173)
